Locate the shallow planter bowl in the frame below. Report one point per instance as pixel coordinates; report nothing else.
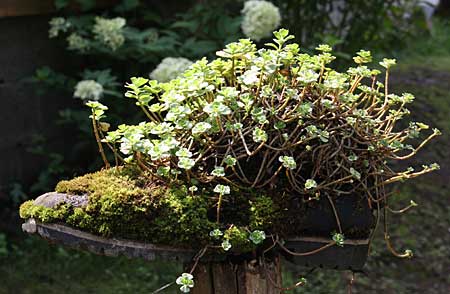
(351, 256)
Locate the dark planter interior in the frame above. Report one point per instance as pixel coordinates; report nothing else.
(316, 218)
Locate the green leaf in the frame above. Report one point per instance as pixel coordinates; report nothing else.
(218, 171)
(259, 135)
(216, 234)
(60, 4)
(204, 47)
(222, 189)
(355, 173)
(86, 4)
(226, 245)
(388, 63)
(230, 160)
(324, 48)
(339, 239)
(103, 77)
(310, 184)
(127, 5)
(139, 82)
(288, 162)
(281, 34)
(363, 56)
(257, 237)
(192, 26)
(186, 163)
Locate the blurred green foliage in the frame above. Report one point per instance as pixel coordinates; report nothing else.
(351, 25)
(33, 266)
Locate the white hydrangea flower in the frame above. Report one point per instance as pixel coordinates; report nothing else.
(77, 42)
(170, 68)
(261, 18)
(88, 90)
(109, 31)
(57, 25)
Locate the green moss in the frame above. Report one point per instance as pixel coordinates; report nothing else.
(263, 213)
(238, 237)
(121, 206)
(29, 210)
(124, 205)
(182, 218)
(80, 218)
(117, 206)
(124, 179)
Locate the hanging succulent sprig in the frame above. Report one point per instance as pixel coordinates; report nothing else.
(98, 110)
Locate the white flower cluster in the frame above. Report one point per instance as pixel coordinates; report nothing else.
(170, 68)
(109, 31)
(260, 19)
(88, 90)
(77, 42)
(57, 25)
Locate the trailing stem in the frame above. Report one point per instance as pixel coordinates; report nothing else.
(99, 143)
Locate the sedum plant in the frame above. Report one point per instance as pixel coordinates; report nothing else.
(273, 119)
(128, 31)
(276, 121)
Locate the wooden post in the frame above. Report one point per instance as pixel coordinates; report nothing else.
(243, 278)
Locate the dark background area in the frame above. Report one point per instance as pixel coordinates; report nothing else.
(25, 115)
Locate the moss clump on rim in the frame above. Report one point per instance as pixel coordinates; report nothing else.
(29, 210)
(121, 205)
(117, 205)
